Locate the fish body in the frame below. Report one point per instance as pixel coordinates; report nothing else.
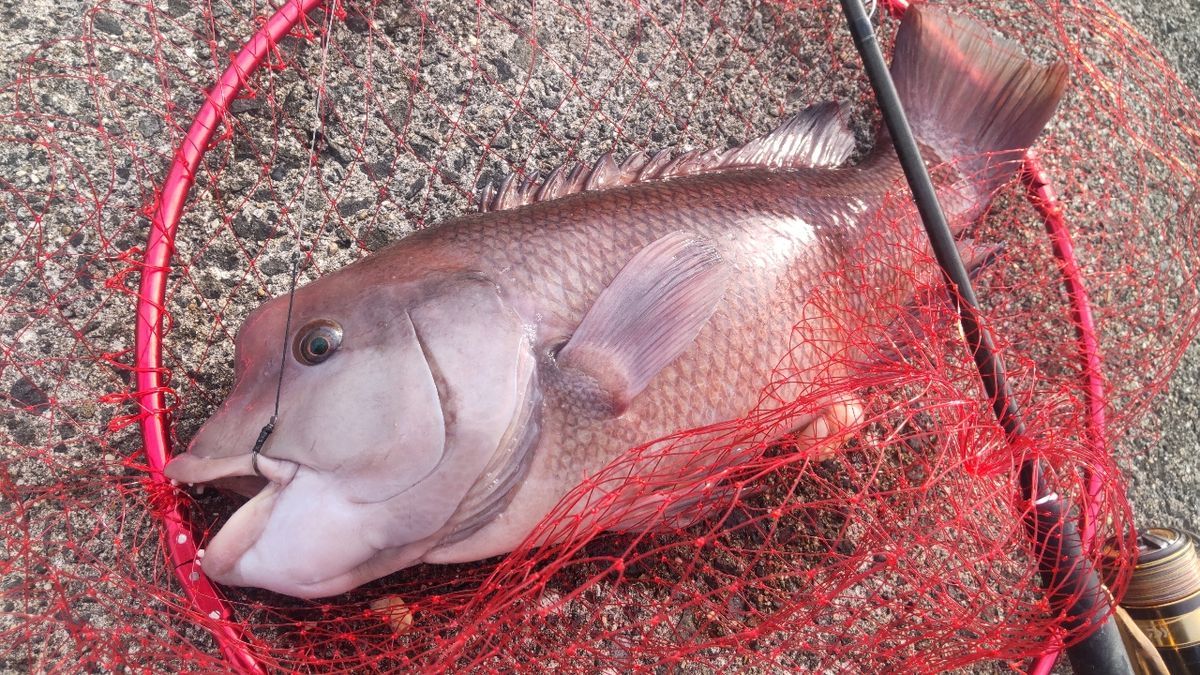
(441, 397)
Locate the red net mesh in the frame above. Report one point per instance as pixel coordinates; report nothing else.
(901, 543)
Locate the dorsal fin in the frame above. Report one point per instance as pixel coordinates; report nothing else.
(814, 137)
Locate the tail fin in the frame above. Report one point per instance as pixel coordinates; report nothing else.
(971, 95)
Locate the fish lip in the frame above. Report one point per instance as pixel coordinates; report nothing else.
(223, 554)
(194, 469)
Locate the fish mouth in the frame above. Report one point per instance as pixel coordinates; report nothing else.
(245, 474)
(245, 486)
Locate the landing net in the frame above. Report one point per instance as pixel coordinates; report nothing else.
(900, 544)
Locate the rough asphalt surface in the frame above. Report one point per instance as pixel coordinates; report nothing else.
(1164, 480)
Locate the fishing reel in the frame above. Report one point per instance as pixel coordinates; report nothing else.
(1160, 614)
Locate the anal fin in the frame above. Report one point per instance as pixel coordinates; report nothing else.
(917, 322)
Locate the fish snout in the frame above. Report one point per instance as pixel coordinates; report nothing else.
(220, 455)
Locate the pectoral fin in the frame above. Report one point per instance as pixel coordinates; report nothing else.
(646, 318)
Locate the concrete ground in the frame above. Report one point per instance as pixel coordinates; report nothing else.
(1165, 479)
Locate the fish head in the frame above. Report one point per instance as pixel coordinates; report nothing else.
(404, 407)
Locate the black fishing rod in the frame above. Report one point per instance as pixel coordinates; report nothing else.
(1070, 578)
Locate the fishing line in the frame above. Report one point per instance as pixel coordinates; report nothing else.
(269, 427)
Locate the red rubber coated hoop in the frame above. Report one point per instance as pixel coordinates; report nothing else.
(152, 379)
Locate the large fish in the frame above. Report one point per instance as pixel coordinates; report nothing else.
(441, 397)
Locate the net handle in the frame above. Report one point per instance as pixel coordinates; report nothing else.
(152, 378)
(153, 381)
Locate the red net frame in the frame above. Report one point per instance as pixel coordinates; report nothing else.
(155, 397)
(152, 386)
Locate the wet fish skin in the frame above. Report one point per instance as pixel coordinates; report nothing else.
(491, 364)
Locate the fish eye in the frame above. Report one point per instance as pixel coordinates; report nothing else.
(317, 341)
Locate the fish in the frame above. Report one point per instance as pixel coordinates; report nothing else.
(439, 398)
